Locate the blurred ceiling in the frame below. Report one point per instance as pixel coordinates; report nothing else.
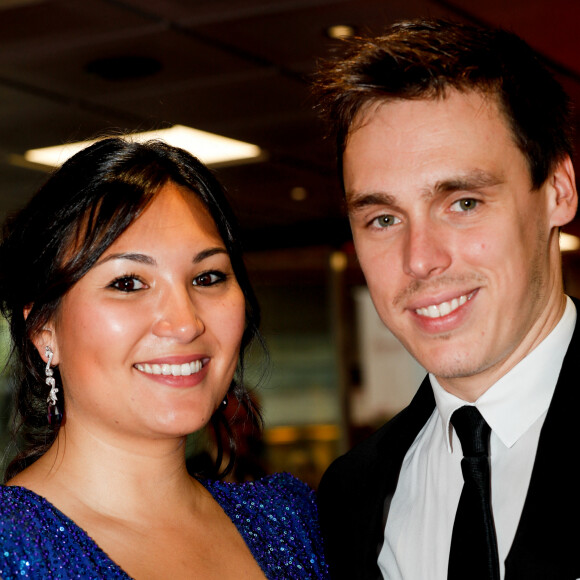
(75, 69)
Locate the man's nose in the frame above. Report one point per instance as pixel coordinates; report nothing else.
(426, 251)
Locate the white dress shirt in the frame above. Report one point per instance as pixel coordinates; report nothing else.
(422, 510)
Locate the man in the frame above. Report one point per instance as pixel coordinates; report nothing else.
(454, 149)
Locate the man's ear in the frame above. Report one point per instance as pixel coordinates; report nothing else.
(563, 197)
(43, 338)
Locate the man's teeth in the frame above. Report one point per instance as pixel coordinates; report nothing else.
(443, 309)
(183, 370)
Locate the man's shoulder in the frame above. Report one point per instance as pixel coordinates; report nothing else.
(366, 452)
(385, 447)
(367, 456)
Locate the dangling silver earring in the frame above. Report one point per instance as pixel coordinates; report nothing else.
(53, 413)
(225, 402)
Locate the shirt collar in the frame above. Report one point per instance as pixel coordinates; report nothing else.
(516, 400)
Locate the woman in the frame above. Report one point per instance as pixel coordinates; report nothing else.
(130, 309)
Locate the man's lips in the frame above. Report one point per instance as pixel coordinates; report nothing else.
(446, 307)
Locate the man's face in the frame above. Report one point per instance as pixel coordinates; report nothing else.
(460, 255)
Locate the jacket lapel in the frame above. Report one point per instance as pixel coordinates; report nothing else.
(396, 438)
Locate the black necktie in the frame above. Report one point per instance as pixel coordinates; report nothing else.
(473, 553)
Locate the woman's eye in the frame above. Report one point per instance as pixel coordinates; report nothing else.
(209, 279)
(127, 284)
(385, 221)
(465, 204)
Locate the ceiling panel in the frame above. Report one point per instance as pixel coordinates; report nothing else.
(64, 23)
(294, 36)
(181, 59)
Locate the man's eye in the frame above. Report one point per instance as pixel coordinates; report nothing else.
(209, 278)
(466, 204)
(385, 221)
(127, 284)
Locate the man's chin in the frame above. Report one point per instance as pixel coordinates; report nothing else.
(455, 368)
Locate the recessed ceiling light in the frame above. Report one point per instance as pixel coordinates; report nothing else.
(298, 193)
(340, 31)
(211, 149)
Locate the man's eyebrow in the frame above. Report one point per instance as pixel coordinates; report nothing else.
(358, 201)
(470, 181)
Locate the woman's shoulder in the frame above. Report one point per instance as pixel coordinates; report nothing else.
(280, 480)
(26, 511)
(19, 506)
(36, 539)
(25, 522)
(277, 516)
(273, 490)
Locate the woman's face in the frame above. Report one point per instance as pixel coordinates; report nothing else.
(148, 340)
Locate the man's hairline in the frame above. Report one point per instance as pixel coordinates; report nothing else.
(370, 105)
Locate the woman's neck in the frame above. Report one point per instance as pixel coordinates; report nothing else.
(87, 470)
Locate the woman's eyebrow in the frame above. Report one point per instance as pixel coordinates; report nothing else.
(132, 256)
(204, 254)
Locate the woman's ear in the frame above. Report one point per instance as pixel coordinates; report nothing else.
(43, 338)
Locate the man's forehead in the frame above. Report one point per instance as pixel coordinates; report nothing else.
(367, 112)
(396, 126)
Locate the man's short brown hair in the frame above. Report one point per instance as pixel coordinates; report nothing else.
(423, 59)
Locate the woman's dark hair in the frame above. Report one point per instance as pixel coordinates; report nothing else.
(423, 59)
(58, 237)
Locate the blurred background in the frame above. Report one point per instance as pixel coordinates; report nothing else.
(72, 70)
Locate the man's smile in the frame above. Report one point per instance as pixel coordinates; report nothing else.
(444, 308)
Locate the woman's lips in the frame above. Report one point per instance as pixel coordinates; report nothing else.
(166, 369)
(176, 370)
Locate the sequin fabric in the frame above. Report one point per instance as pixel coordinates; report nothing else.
(276, 516)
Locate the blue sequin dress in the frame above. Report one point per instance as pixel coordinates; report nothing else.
(275, 515)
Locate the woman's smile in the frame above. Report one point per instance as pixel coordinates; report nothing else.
(165, 369)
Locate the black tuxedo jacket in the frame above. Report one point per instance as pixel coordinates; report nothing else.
(356, 489)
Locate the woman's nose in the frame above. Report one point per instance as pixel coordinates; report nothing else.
(178, 317)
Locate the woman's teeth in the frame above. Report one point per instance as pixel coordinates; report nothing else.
(182, 370)
(443, 309)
